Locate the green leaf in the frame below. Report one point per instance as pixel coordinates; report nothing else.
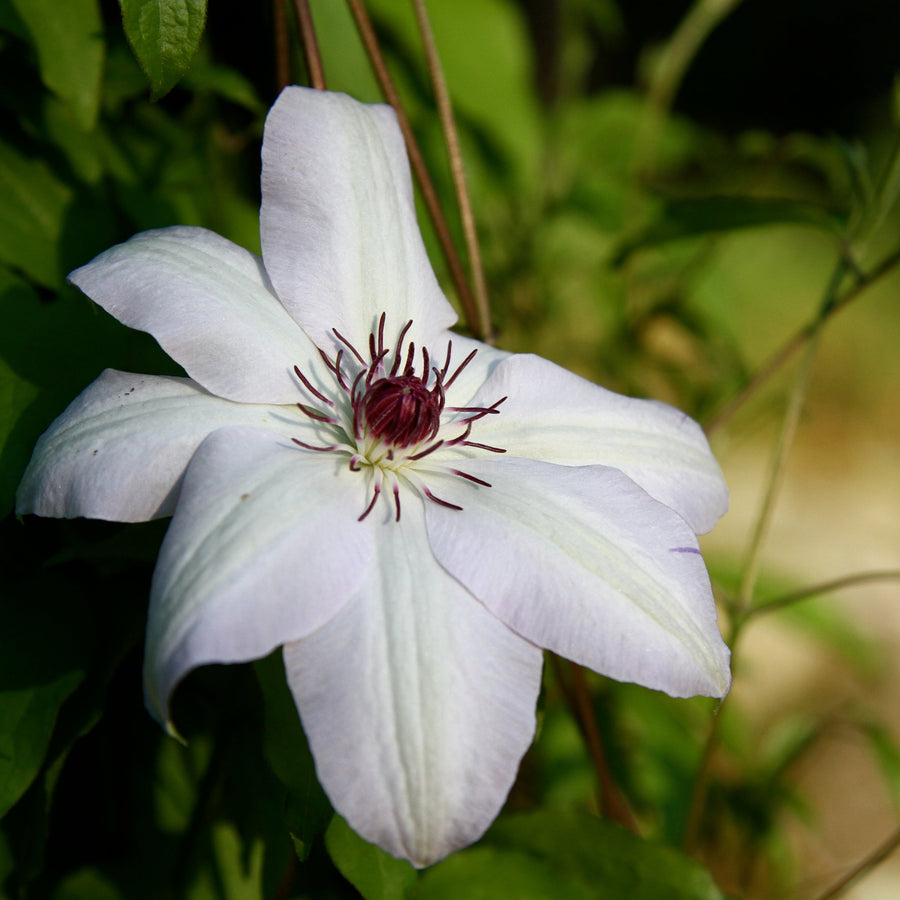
(572, 855)
(31, 216)
(69, 43)
(87, 884)
(485, 873)
(227, 83)
(164, 35)
(709, 215)
(375, 874)
(41, 663)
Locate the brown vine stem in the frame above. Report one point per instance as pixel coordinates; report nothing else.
(282, 54)
(796, 342)
(863, 867)
(416, 161)
(612, 802)
(310, 45)
(824, 588)
(457, 170)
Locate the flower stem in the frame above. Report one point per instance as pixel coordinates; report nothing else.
(417, 162)
(671, 65)
(797, 341)
(701, 784)
(825, 587)
(611, 801)
(788, 431)
(310, 46)
(740, 607)
(457, 170)
(863, 867)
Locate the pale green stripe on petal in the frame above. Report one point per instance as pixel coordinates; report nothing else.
(263, 548)
(417, 702)
(581, 561)
(338, 223)
(555, 416)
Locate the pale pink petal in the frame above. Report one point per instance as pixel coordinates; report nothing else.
(555, 416)
(210, 306)
(264, 548)
(417, 702)
(120, 450)
(583, 562)
(338, 222)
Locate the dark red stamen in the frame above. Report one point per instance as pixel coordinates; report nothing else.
(371, 505)
(459, 368)
(438, 500)
(349, 346)
(306, 446)
(310, 388)
(469, 477)
(397, 500)
(425, 452)
(487, 447)
(398, 352)
(313, 413)
(381, 321)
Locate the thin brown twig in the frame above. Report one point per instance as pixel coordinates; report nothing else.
(310, 45)
(416, 161)
(282, 51)
(613, 804)
(862, 868)
(795, 343)
(457, 170)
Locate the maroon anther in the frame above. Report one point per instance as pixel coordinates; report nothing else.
(401, 411)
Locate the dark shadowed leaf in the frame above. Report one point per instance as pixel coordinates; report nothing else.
(307, 809)
(31, 216)
(43, 648)
(69, 43)
(708, 215)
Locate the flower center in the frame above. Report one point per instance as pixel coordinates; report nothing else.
(387, 419)
(402, 411)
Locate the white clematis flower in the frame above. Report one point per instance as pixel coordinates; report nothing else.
(411, 514)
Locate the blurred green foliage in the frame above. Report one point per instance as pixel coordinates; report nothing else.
(658, 255)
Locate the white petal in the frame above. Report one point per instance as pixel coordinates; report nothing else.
(264, 547)
(120, 450)
(555, 416)
(418, 703)
(338, 223)
(210, 306)
(581, 561)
